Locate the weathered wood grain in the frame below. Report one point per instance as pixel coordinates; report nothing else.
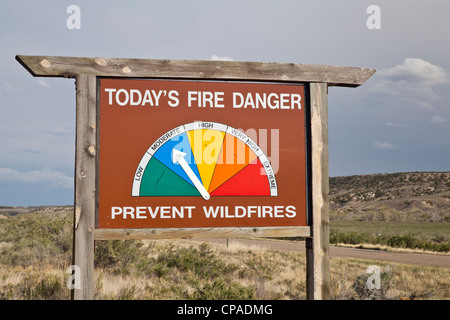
(317, 255)
(85, 175)
(52, 66)
(190, 233)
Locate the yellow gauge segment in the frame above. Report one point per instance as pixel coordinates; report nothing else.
(206, 145)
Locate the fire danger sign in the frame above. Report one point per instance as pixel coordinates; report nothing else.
(192, 154)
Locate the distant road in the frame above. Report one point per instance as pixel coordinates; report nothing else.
(418, 259)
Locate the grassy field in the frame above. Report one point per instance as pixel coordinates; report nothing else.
(428, 236)
(36, 250)
(425, 230)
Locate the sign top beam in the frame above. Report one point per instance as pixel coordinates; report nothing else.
(70, 67)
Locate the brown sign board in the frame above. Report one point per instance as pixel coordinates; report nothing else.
(201, 154)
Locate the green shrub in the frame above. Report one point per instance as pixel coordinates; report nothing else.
(220, 290)
(377, 293)
(39, 239)
(33, 287)
(260, 268)
(350, 237)
(119, 254)
(408, 240)
(201, 261)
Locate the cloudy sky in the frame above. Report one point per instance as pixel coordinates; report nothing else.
(397, 121)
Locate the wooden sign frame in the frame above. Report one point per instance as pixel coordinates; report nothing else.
(122, 123)
(86, 70)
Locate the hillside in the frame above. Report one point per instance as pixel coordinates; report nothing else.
(402, 197)
(410, 196)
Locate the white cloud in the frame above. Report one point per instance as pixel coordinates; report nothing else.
(43, 83)
(395, 125)
(6, 87)
(29, 150)
(217, 58)
(416, 71)
(60, 131)
(411, 82)
(438, 119)
(46, 178)
(385, 145)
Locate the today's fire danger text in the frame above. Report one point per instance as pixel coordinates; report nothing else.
(210, 212)
(206, 99)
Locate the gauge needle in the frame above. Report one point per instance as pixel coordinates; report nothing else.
(178, 157)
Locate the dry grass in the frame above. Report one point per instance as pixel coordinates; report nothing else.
(266, 274)
(405, 281)
(35, 254)
(370, 246)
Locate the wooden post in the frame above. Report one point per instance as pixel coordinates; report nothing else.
(317, 247)
(85, 177)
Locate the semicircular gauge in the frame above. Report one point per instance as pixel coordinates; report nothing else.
(206, 159)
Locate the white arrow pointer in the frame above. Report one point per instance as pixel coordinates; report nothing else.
(178, 156)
